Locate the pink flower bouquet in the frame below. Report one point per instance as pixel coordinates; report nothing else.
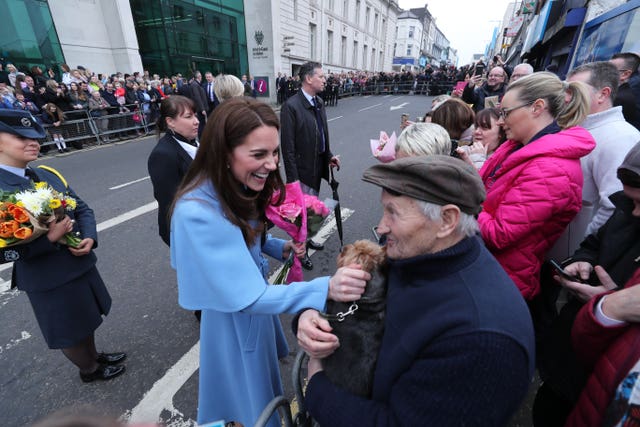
(384, 148)
(291, 217)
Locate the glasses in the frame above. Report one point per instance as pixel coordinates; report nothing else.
(504, 112)
(496, 76)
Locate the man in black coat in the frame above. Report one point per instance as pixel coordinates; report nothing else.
(208, 85)
(304, 137)
(194, 91)
(627, 65)
(492, 90)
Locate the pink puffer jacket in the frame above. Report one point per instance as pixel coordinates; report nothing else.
(532, 196)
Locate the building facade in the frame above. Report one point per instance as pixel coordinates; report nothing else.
(408, 46)
(258, 37)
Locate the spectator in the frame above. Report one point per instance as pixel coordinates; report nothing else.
(22, 104)
(423, 139)
(613, 249)
(79, 99)
(534, 179)
(457, 118)
(614, 138)
(487, 137)
(40, 80)
(194, 91)
(98, 107)
(13, 73)
(627, 65)
(487, 94)
(520, 71)
(52, 116)
(66, 74)
(454, 322)
(228, 86)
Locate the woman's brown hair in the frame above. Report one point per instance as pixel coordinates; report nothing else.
(173, 107)
(454, 115)
(226, 129)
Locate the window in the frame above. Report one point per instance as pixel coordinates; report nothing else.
(367, 18)
(364, 56)
(409, 48)
(412, 30)
(295, 10)
(375, 23)
(312, 41)
(331, 5)
(355, 55)
(358, 12)
(345, 9)
(343, 51)
(330, 46)
(373, 59)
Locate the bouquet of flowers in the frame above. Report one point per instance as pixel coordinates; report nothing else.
(299, 215)
(25, 215)
(384, 148)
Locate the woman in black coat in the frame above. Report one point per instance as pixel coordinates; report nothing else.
(64, 287)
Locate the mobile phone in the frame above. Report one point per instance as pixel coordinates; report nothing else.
(557, 267)
(374, 230)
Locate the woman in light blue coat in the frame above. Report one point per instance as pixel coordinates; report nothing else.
(218, 236)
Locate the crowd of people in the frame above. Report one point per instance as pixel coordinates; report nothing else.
(480, 197)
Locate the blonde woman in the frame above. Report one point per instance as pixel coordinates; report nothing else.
(228, 86)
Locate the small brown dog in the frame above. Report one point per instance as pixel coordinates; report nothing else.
(360, 331)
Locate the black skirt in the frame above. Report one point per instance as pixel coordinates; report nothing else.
(70, 313)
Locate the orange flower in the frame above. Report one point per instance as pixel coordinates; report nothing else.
(19, 214)
(22, 233)
(7, 228)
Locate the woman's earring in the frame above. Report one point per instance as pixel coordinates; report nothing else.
(228, 166)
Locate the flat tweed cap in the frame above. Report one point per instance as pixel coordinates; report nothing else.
(437, 179)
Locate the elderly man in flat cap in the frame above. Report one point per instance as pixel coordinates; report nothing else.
(458, 346)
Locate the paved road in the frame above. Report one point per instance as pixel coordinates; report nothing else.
(160, 337)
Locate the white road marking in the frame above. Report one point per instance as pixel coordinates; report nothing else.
(23, 336)
(129, 183)
(397, 107)
(6, 285)
(368, 108)
(335, 118)
(160, 397)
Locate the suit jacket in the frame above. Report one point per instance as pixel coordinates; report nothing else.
(40, 265)
(300, 140)
(212, 104)
(198, 96)
(168, 163)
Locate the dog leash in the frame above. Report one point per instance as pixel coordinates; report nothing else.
(340, 316)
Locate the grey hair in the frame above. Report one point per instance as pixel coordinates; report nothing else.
(228, 86)
(547, 86)
(424, 139)
(467, 225)
(601, 74)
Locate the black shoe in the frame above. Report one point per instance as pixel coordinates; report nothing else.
(110, 358)
(104, 372)
(198, 314)
(60, 150)
(66, 150)
(306, 263)
(315, 246)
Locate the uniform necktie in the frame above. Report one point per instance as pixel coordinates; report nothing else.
(210, 91)
(31, 174)
(316, 109)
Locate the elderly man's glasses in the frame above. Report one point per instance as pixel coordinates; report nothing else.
(504, 112)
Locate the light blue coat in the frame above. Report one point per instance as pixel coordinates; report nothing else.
(241, 337)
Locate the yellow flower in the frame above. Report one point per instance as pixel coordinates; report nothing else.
(71, 203)
(55, 203)
(3, 243)
(20, 204)
(40, 185)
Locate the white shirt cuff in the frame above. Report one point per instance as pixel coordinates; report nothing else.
(603, 319)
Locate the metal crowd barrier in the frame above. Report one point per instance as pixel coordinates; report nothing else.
(415, 87)
(86, 127)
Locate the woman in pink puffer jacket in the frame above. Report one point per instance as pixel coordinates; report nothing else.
(534, 180)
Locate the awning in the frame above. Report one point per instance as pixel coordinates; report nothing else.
(573, 18)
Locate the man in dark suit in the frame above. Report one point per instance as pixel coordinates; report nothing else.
(194, 91)
(304, 137)
(627, 64)
(208, 85)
